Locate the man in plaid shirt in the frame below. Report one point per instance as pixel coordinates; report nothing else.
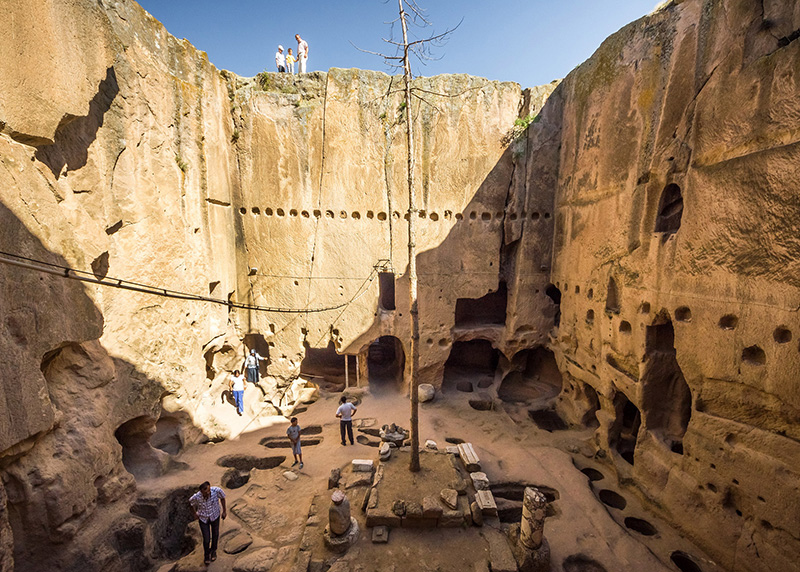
(205, 508)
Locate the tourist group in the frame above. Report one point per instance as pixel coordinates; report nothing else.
(285, 63)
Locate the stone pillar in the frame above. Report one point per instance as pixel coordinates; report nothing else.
(342, 530)
(530, 548)
(339, 513)
(531, 529)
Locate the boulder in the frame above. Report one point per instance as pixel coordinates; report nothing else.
(426, 392)
(450, 498)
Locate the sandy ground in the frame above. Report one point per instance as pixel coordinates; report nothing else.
(289, 514)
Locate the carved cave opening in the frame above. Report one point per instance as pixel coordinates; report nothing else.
(257, 342)
(167, 436)
(667, 399)
(625, 431)
(386, 299)
(386, 362)
(139, 457)
(670, 209)
(589, 418)
(535, 375)
(173, 431)
(554, 294)
(470, 364)
(487, 310)
(327, 366)
(612, 297)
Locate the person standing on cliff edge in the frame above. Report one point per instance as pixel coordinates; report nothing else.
(302, 53)
(205, 509)
(280, 60)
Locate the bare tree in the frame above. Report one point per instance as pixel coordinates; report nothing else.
(412, 16)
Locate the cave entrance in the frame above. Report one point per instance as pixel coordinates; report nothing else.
(386, 291)
(386, 362)
(487, 310)
(328, 367)
(626, 427)
(470, 365)
(589, 419)
(667, 399)
(138, 456)
(258, 343)
(534, 377)
(554, 294)
(670, 209)
(612, 297)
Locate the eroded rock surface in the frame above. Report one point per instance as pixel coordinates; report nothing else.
(635, 247)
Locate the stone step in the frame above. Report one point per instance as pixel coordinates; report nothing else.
(468, 456)
(485, 500)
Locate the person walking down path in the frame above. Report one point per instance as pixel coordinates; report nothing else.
(205, 505)
(280, 60)
(345, 413)
(237, 385)
(251, 366)
(302, 53)
(293, 432)
(290, 59)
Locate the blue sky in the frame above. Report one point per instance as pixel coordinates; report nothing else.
(530, 42)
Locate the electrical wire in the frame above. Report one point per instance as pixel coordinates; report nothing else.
(83, 276)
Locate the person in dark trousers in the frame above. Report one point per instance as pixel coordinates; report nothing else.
(205, 505)
(251, 366)
(345, 414)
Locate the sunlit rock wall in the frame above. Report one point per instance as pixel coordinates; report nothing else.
(676, 252)
(125, 154)
(654, 196)
(324, 200)
(113, 134)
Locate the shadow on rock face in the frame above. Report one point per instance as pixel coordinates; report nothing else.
(75, 400)
(75, 134)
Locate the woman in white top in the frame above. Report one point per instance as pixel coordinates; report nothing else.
(237, 385)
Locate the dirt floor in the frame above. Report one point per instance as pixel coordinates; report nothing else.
(284, 516)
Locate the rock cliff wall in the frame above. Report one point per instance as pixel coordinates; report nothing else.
(134, 158)
(643, 228)
(676, 255)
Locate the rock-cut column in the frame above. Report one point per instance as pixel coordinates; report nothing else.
(531, 550)
(531, 531)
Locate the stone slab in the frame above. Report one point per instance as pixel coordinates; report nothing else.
(469, 457)
(485, 501)
(449, 498)
(480, 481)
(378, 517)
(363, 465)
(380, 534)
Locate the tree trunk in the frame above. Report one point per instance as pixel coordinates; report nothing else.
(412, 253)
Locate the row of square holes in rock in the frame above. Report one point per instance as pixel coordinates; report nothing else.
(382, 216)
(781, 334)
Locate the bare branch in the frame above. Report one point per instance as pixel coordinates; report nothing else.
(422, 99)
(451, 95)
(379, 54)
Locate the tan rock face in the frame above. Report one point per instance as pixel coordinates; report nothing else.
(678, 269)
(642, 229)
